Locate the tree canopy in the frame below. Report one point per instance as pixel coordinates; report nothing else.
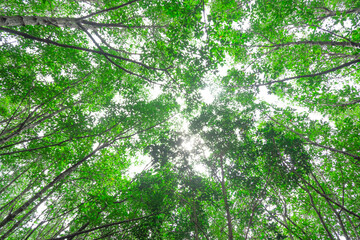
(179, 119)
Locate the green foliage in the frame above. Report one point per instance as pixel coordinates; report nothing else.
(91, 89)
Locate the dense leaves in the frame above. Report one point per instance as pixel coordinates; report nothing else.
(108, 129)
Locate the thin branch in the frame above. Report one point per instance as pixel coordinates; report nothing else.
(330, 13)
(25, 35)
(104, 226)
(324, 195)
(108, 10)
(13, 115)
(318, 213)
(332, 33)
(112, 48)
(94, 25)
(311, 43)
(16, 178)
(316, 144)
(344, 104)
(111, 61)
(308, 75)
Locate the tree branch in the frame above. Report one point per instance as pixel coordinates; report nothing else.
(308, 75)
(316, 144)
(104, 226)
(108, 9)
(25, 35)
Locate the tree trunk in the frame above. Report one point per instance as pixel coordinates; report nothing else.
(60, 177)
(195, 220)
(337, 215)
(227, 208)
(16, 21)
(17, 224)
(318, 213)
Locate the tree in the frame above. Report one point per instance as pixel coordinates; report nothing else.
(90, 88)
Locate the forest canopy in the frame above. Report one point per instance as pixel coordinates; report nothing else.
(179, 119)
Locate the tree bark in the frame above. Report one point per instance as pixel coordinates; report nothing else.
(227, 208)
(17, 21)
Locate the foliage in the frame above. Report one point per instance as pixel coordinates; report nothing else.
(91, 90)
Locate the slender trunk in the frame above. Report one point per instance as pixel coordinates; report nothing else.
(285, 223)
(195, 220)
(283, 214)
(59, 222)
(318, 213)
(60, 230)
(85, 225)
(82, 228)
(32, 119)
(33, 230)
(227, 208)
(14, 21)
(257, 202)
(60, 177)
(28, 187)
(324, 195)
(28, 125)
(355, 230)
(40, 216)
(327, 197)
(16, 178)
(332, 208)
(329, 13)
(14, 114)
(17, 224)
(301, 229)
(340, 104)
(68, 171)
(25, 35)
(344, 104)
(56, 131)
(281, 223)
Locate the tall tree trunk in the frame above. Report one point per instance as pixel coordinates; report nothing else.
(17, 224)
(60, 177)
(195, 220)
(14, 180)
(224, 192)
(337, 214)
(15, 21)
(318, 212)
